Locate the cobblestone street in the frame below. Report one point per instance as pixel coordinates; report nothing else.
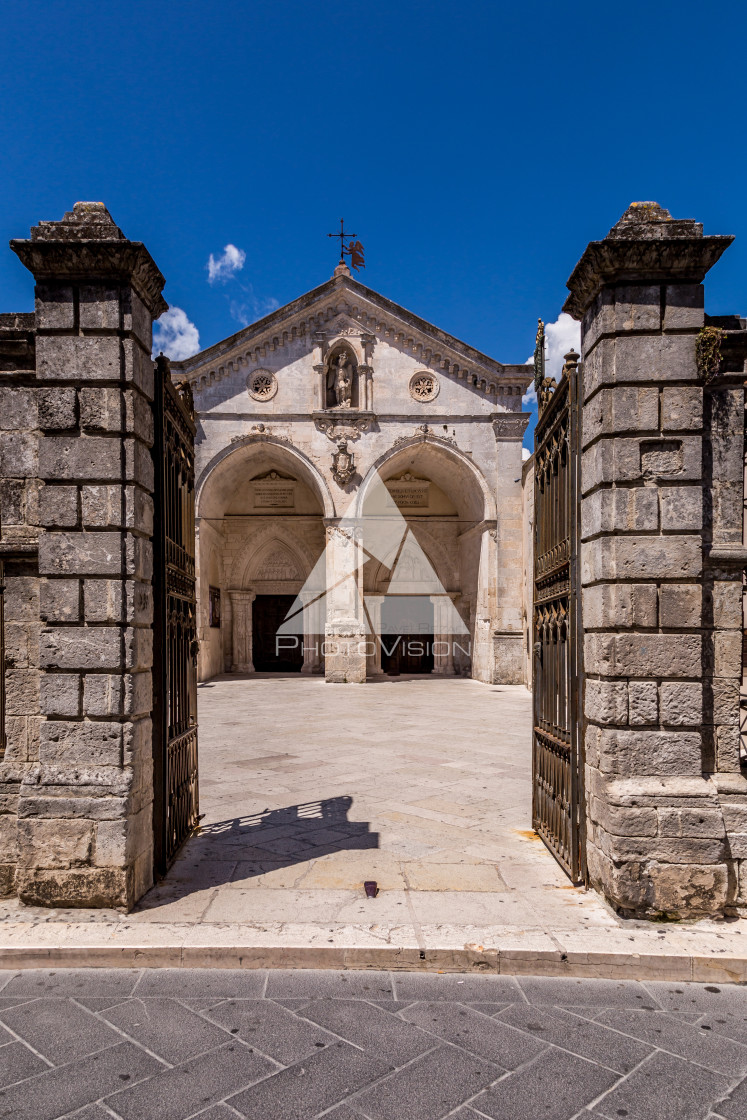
(296, 1045)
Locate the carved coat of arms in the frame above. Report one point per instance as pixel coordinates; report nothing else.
(343, 463)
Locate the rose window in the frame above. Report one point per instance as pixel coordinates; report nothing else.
(423, 387)
(262, 385)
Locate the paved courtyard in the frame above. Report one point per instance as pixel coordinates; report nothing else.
(290, 1045)
(420, 784)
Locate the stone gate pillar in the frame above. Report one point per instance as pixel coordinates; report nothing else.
(242, 660)
(85, 824)
(658, 631)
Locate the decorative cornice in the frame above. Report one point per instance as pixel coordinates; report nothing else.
(510, 426)
(365, 312)
(646, 245)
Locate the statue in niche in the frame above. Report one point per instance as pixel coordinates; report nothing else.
(340, 376)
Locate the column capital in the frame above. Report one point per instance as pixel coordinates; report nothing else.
(242, 596)
(646, 245)
(510, 425)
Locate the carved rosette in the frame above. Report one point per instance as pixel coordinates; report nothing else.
(262, 385)
(424, 386)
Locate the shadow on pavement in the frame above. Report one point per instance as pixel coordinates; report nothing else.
(243, 847)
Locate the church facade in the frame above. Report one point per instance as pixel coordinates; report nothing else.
(358, 495)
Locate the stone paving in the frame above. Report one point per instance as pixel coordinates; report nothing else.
(422, 784)
(296, 1045)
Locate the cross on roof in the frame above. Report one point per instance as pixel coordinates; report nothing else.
(353, 249)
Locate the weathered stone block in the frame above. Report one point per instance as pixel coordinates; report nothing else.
(681, 703)
(681, 507)
(641, 557)
(726, 509)
(621, 459)
(16, 645)
(681, 408)
(46, 844)
(54, 306)
(139, 464)
(139, 510)
(139, 558)
(81, 553)
(606, 701)
(655, 358)
(91, 887)
(643, 703)
(81, 744)
(139, 648)
(637, 307)
(726, 600)
(75, 358)
(725, 702)
(18, 409)
(79, 647)
(683, 307)
(620, 410)
(13, 501)
(82, 458)
(655, 655)
(60, 600)
(103, 695)
(60, 695)
(624, 821)
(680, 606)
(727, 654)
(57, 409)
(18, 454)
(103, 600)
(139, 603)
(666, 849)
(102, 506)
(702, 823)
(99, 307)
(727, 750)
(138, 694)
(58, 506)
(102, 409)
(21, 599)
(620, 511)
(21, 692)
(138, 367)
(640, 753)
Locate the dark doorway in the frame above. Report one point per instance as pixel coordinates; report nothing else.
(407, 634)
(273, 652)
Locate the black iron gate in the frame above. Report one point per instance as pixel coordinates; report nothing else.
(175, 802)
(558, 810)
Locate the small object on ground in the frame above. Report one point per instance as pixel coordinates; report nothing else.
(372, 888)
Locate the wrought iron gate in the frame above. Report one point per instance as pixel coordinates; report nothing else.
(175, 803)
(558, 811)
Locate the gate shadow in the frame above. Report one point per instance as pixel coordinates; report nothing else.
(240, 848)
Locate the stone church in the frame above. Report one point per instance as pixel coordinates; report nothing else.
(302, 419)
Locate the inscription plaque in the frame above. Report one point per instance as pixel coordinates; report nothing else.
(409, 491)
(273, 492)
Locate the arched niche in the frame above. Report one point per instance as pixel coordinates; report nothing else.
(234, 466)
(345, 352)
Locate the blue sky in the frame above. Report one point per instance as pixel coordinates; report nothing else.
(474, 148)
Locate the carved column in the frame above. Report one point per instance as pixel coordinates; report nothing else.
(344, 632)
(241, 608)
(373, 659)
(313, 633)
(443, 658)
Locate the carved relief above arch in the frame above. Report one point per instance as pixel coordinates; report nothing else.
(273, 542)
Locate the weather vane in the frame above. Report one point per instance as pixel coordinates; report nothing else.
(353, 249)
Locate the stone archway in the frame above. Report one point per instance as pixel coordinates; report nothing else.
(449, 512)
(260, 510)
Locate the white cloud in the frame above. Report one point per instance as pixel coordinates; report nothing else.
(249, 309)
(525, 454)
(561, 336)
(175, 336)
(223, 268)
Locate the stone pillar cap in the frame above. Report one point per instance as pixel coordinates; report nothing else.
(87, 245)
(646, 245)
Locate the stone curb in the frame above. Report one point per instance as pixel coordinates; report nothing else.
(715, 959)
